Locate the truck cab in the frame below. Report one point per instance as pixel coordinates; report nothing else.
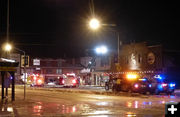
(70, 80)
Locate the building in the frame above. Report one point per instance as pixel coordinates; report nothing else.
(95, 69)
(52, 69)
(142, 58)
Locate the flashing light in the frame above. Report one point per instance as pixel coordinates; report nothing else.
(131, 76)
(159, 77)
(63, 81)
(172, 85)
(39, 81)
(73, 81)
(70, 74)
(150, 85)
(143, 79)
(35, 78)
(160, 87)
(164, 85)
(136, 85)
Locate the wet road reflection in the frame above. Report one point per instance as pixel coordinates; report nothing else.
(98, 108)
(39, 109)
(6, 110)
(71, 104)
(130, 114)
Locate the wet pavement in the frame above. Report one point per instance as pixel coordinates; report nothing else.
(53, 103)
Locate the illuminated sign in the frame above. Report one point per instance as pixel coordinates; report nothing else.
(85, 71)
(36, 62)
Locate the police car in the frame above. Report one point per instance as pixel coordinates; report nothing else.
(160, 85)
(141, 86)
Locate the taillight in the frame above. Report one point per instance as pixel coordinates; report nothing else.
(136, 85)
(62, 81)
(164, 85)
(74, 81)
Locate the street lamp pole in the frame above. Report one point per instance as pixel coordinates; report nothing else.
(7, 20)
(118, 40)
(118, 44)
(24, 53)
(95, 24)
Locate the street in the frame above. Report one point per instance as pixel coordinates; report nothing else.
(59, 103)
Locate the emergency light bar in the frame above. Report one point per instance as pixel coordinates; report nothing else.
(131, 76)
(70, 74)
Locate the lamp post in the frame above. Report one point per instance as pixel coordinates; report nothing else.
(95, 24)
(24, 53)
(8, 47)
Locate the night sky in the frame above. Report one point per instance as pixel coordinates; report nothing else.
(58, 28)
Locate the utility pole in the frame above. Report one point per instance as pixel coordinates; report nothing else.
(118, 45)
(7, 20)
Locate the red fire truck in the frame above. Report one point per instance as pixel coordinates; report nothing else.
(35, 80)
(69, 80)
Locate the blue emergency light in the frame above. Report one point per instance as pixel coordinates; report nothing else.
(172, 84)
(144, 79)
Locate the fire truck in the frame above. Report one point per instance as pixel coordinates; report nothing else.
(69, 80)
(35, 80)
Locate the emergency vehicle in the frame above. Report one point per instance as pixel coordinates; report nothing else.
(160, 85)
(69, 80)
(35, 80)
(138, 68)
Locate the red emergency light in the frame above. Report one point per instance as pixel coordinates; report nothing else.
(74, 81)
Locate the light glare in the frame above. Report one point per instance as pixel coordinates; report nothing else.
(8, 47)
(101, 50)
(94, 24)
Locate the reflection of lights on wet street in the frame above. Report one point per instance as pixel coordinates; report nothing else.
(99, 116)
(74, 109)
(100, 112)
(136, 104)
(100, 97)
(163, 102)
(130, 114)
(150, 103)
(2, 109)
(172, 97)
(102, 103)
(10, 109)
(129, 104)
(37, 108)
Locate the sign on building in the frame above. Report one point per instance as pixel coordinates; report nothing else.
(36, 62)
(85, 71)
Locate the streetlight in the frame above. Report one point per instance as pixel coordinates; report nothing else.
(101, 50)
(95, 24)
(8, 47)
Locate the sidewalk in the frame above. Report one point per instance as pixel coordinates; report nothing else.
(6, 109)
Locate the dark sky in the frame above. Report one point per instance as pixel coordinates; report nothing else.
(58, 28)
